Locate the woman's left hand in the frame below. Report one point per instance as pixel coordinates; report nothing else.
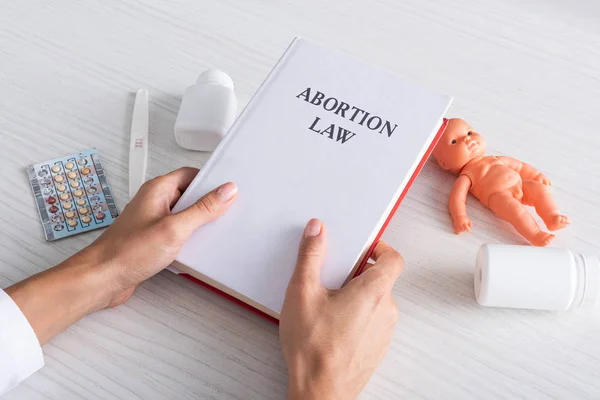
(142, 241)
(146, 237)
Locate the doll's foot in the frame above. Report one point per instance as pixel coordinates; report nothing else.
(557, 221)
(542, 239)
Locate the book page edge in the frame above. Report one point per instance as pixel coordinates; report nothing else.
(182, 268)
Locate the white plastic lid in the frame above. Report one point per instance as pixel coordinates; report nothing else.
(215, 76)
(591, 294)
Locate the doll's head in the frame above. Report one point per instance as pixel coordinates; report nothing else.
(458, 145)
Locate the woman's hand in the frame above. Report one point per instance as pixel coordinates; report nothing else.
(142, 241)
(146, 237)
(333, 340)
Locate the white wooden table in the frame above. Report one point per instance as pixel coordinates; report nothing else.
(525, 73)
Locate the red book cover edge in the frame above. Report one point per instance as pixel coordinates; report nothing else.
(367, 255)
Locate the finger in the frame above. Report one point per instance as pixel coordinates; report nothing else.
(182, 177)
(174, 198)
(381, 249)
(367, 266)
(384, 253)
(170, 185)
(380, 278)
(208, 208)
(311, 254)
(179, 180)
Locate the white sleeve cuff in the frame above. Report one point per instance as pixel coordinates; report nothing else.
(20, 351)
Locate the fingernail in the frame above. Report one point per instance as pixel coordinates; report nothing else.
(227, 191)
(313, 228)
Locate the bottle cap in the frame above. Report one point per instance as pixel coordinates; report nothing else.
(217, 77)
(591, 294)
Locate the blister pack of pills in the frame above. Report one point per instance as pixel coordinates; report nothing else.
(72, 195)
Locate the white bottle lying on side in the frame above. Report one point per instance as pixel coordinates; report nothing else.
(207, 111)
(536, 278)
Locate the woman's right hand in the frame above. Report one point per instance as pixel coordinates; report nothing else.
(333, 340)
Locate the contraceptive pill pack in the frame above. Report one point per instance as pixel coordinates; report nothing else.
(72, 194)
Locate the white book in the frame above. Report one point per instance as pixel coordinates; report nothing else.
(325, 136)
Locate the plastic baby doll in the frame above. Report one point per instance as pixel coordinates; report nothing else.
(503, 184)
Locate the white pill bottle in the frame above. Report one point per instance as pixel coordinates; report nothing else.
(207, 111)
(536, 278)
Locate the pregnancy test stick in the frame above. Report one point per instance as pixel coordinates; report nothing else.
(138, 145)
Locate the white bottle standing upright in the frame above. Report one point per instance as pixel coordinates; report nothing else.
(207, 111)
(536, 278)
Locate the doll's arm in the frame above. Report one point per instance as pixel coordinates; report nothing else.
(526, 171)
(457, 204)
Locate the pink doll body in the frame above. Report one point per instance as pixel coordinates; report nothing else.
(503, 184)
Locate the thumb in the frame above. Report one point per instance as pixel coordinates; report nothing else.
(311, 254)
(208, 208)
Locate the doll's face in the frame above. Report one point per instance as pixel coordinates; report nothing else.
(459, 145)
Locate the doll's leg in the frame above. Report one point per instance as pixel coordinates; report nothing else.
(510, 209)
(538, 195)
